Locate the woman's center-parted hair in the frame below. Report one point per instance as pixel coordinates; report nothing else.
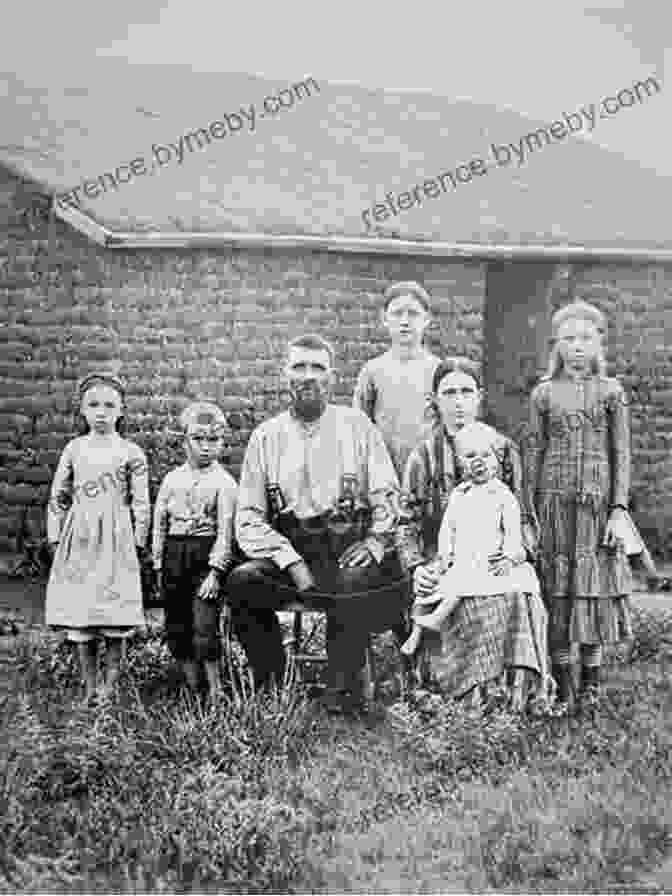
(456, 365)
(450, 365)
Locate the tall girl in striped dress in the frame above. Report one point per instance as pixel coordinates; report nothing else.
(577, 474)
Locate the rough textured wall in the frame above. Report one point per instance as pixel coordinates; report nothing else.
(637, 300)
(517, 319)
(215, 323)
(184, 324)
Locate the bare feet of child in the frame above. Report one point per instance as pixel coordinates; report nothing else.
(411, 644)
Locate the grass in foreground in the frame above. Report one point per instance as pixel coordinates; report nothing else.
(161, 794)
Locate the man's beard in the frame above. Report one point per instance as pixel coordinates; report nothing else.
(309, 399)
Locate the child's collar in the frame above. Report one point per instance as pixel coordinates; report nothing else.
(490, 485)
(196, 469)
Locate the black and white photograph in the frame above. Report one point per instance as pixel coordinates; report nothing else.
(335, 447)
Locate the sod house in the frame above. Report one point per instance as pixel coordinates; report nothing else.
(194, 273)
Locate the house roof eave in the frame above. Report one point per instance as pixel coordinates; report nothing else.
(110, 239)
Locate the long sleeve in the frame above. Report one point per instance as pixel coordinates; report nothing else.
(411, 508)
(221, 555)
(139, 487)
(160, 525)
(512, 469)
(534, 448)
(364, 396)
(620, 448)
(61, 496)
(383, 496)
(256, 537)
(447, 532)
(512, 545)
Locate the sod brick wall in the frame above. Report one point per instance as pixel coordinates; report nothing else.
(214, 323)
(184, 324)
(637, 300)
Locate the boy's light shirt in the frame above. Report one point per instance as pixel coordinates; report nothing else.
(396, 395)
(196, 502)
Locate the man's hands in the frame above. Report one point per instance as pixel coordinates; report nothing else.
(426, 579)
(209, 589)
(357, 554)
(617, 529)
(301, 576)
(500, 564)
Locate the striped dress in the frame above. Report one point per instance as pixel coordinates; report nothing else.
(577, 467)
(486, 633)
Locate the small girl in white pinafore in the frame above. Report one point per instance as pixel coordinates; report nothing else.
(97, 523)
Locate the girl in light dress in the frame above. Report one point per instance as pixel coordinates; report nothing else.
(97, 525)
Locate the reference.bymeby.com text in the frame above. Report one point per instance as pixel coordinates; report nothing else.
(502, 154)
(245, 118)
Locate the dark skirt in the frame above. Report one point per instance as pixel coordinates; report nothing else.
(192, 625)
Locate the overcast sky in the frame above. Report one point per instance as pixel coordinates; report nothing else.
(539, 58)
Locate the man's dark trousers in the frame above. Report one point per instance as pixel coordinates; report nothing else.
(357, 601)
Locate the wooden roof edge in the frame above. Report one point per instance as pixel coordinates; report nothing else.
(377, 245)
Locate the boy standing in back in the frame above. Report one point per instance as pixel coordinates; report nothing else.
(394, 389)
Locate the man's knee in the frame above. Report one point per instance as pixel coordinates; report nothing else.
(250, 572)
(355, 579)
(376, 596)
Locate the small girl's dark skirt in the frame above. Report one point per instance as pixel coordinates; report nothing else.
(192, 625)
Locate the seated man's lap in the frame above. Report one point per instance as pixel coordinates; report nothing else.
(259, 584)
(375, 596)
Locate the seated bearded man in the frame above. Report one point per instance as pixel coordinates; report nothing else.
(316, 518)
